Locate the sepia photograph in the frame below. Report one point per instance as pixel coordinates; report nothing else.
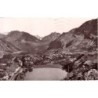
(48, 48)
(62, 49)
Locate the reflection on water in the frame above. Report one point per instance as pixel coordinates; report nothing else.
(46, 74)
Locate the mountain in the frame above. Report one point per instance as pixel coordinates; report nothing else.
(20, 36)
(83, 38)
(45, 41)
(88, 28)
(7, 47)
(38, 37)
(29, 43)
(22, 40)
(2, 36)
(51, 37)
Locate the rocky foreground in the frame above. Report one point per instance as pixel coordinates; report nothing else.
(80, 67)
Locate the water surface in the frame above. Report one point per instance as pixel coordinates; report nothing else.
(46, 74)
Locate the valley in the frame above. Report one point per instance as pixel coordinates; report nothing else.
(51, 55)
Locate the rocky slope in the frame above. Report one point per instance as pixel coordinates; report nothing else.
(22, 40)
(7, 47)
(83, 38)
(45, 41)
(51, 37)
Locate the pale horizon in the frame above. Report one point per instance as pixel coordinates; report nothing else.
(40, 26)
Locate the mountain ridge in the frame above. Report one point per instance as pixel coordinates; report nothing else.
(82, 38)
(79, 38)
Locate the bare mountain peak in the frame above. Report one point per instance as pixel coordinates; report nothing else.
(55, 33)
(51, 36)
(83, 37)
(20, 35)
(14, 32)
(89, 27)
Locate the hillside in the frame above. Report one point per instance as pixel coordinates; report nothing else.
(22, 40)
(83, 38)
(45, 41)
(7, 47)
(51, 37)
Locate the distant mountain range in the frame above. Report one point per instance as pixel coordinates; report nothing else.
(83, 38)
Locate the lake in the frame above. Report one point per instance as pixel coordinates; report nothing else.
(46, 74)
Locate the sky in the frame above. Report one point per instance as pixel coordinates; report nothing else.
(40, 26)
